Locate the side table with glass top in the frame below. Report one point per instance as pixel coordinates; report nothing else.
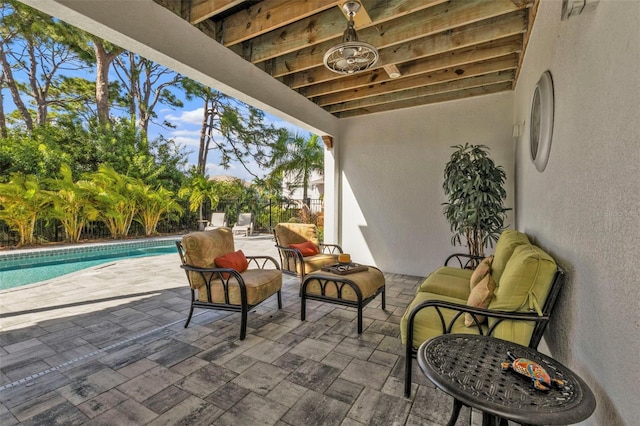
(468, 367)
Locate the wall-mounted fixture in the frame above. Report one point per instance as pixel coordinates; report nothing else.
(351, 55)
(541, 121)
(576, 7)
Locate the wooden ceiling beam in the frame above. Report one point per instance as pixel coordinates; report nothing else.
(441, 97)
(268, 15)
(523, 3)
(464, 35)
(450, 59)
(450, 74)
(327, 26)
(418, 92)
(205, 9)
(443, 49)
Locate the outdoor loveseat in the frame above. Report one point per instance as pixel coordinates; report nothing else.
(527, 283)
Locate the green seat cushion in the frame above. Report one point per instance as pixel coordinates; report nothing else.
(448, 281)
(427, 322)
(507, 243)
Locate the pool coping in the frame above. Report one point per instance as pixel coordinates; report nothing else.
(41, 252)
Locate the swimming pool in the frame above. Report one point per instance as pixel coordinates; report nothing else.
(27, 267)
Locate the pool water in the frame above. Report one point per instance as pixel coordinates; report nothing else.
(18, 269)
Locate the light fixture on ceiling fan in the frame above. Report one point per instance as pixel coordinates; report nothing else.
(351, 55)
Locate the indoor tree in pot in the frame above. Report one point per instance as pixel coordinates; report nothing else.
(474, 187)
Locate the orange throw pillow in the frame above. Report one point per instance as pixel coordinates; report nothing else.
(234, 260)
(480, 297)
(307, 248)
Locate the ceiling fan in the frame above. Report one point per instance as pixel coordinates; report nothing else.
(351, 55)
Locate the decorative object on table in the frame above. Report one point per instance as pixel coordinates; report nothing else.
(541, 121)
(531, 370)
(344, 268)
(474, 187)
(344, 258)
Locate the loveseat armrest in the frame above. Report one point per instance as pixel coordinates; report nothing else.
(261, 262)
(461, 309)
(465, 261)
(330, 248)
(440, 305)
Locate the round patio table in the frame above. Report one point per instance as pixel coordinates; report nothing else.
(468, 367)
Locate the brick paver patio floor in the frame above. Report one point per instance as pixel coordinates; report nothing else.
(107, 345)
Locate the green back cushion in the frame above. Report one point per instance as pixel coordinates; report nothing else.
(507, 243)
(524, 285)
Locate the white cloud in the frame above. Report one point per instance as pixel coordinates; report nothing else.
(186, 141)
(187, 117)
(186, 133)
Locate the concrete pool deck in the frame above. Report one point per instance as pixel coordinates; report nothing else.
(106, 345)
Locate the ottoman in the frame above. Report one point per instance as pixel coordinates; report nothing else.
(356, 289)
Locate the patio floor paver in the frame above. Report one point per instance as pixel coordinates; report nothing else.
(107, 345)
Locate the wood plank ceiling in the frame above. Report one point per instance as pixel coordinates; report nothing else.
(443, 50)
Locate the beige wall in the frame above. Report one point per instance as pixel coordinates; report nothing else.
(391, 174)
(585, 207)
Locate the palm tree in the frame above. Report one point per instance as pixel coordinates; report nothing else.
(153, 204)
(22, 201)
(115, 196)
(296, 158)
(197, 190)
(71, 203)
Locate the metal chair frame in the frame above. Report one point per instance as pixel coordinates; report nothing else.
(541, 321)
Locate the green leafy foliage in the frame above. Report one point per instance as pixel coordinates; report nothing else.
(72, 203)
(474, 187)
(22, 201)
(297, 157)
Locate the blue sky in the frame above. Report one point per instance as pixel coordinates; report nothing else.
(188, 123)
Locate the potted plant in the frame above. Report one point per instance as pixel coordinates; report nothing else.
(474, 187)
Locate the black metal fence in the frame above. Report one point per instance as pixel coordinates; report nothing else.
(266, 215)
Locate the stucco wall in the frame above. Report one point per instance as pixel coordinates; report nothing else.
(585, 207)
(391, 173)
